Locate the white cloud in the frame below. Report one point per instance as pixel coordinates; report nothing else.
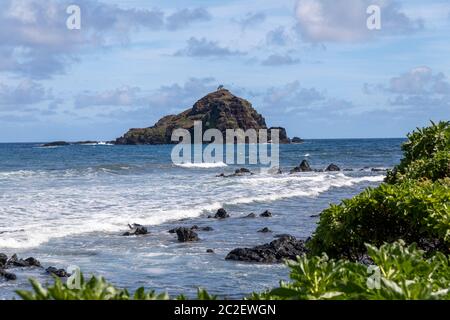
(25, 93)
(205, 48)
(345, 20)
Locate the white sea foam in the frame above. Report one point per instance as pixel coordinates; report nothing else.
(44, 207)
(205, 165)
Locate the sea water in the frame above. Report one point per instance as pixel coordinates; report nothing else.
(69, 206)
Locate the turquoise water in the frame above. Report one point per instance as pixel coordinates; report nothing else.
(69, 205)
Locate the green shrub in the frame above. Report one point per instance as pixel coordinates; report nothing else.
(416, 211)
(97, 288)
(398, 272)
(426, 154)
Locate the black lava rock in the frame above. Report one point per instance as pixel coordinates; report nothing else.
(266, 214)
(333, 167)
(287, 247)
(61, 273)
(221, 214)
(186, 235)
(136, 229)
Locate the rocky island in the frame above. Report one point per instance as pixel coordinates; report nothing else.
(219, 110)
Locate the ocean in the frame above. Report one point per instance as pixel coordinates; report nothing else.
(69, 205)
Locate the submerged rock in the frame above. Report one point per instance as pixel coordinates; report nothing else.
(136, 230)
(286, 247)
(3, 259)
(61, 273)
(7, 275)
(209, 251)
(266, 214)
(221, 214)
(250, 215)
(265, 230)
(56, 144)
(333, 167)
(186, 235)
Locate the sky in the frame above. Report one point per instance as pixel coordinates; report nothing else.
(311, 66)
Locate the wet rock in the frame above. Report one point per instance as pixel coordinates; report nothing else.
(61, 273)
(186, 235)
(282, 235)
(135, 230)
(56, 144)
(242, 171)
(195, 227)
(265, 230)
(7, 275)
(14, 261)
(250, 215)
(3, 259)
(209, 251)
(333, 167)
(297, 140)
(33, 262)
(266, 214)
(378, 170)
(303, 167)
(287, 247)
(221, 214)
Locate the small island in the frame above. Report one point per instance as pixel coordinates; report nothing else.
(217, 110)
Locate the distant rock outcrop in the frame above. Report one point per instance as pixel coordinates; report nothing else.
(219, 110)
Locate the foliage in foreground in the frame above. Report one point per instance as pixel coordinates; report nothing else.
(414, 211)
(96, 288)
(401, 273)
(413, 204)
(426, 155)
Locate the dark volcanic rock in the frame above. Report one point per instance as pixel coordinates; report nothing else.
(276, 251)
(7, 275)
(218, 110)
(265, 230)
(3, 259)
(186, 235)
(33, 262)
(136, 230)
(221, 214)
(209, 251)
(242, 171)
(297, 140)
(266, 214)
(56, 144)
(14, 261)
(303, 167)
(61, 273)
(333, 167)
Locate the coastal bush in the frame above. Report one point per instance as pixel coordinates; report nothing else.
(426, 154)
(96, 288)
(415, 211)
(398, 273)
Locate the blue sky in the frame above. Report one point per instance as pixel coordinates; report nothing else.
(311, 66)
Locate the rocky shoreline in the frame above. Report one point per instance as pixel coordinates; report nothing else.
(283, 247)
